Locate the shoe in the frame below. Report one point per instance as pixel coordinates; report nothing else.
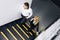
(37, 33)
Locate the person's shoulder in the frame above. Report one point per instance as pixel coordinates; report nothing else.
(30, 9)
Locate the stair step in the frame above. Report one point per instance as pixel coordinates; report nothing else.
(16, 31)
(22, 31)
(11, 34)
(2, 33)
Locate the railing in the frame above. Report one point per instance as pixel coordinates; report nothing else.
(50, 32)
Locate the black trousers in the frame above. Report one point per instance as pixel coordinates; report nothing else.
(23, 19)
(32, 26)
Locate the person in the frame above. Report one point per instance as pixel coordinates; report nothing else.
(34, 23)
(26, 12)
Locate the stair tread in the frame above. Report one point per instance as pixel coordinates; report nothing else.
(15, 30)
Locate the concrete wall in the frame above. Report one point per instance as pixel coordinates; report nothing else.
(9, 10)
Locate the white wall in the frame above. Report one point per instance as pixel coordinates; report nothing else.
(9, 10)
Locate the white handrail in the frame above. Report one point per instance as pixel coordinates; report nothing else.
(50, 32)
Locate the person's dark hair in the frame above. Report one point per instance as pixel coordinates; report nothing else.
(27, 4)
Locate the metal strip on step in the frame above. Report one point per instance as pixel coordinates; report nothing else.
(11, 34)
(4, 36)
(34, 31)
(27, 29)
(18, 33)
(22, 30)
(27, 24)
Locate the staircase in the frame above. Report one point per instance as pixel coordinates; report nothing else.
(15, 31)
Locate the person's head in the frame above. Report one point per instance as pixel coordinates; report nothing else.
(36, 18)
(26, 5)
